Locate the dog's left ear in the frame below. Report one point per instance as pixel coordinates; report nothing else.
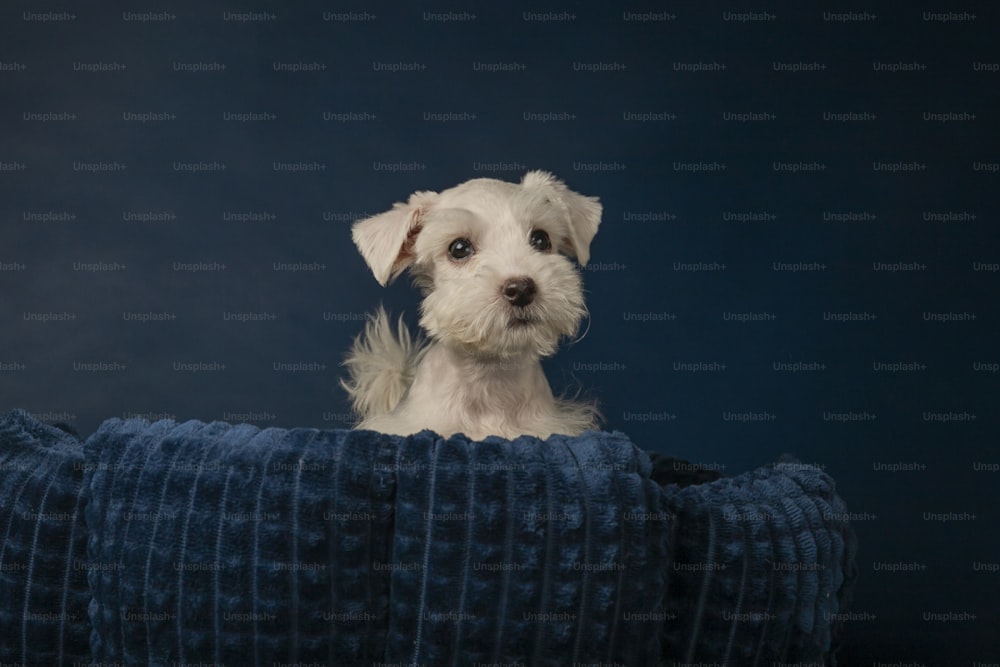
(386, 240)
(584, 212)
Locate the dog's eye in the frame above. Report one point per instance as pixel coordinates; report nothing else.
(460, 249)
(540, 240)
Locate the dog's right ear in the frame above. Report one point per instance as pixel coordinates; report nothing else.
(386, 240)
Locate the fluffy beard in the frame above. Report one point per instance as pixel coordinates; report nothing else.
(472, 314)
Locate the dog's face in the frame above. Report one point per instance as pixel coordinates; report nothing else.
(492, 260)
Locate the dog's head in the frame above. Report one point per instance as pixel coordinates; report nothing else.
(492, 260)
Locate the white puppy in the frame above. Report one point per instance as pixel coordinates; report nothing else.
(499, 293)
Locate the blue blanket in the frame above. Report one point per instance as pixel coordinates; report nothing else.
(165, 542)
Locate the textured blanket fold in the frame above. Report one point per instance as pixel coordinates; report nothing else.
(236, 544)
(760, 563)
(512, 552)
(43, 576)
(165, 542)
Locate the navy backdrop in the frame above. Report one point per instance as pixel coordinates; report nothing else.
(798, 251)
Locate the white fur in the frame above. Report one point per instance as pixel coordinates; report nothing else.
(480, 373)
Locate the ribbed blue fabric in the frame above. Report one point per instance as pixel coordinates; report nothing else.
(526, 552)
(221, 543)
(43, 559)
(760, 566)
(237, 545)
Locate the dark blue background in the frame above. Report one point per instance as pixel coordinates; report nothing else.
(59, 221)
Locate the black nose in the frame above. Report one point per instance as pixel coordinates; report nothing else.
(519, 291)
